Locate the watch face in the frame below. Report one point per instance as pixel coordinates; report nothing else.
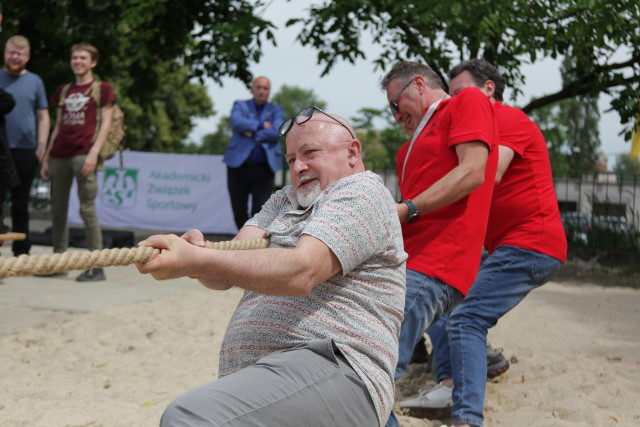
(413, 212)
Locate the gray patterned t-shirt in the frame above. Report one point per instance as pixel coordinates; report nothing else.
(360, 309)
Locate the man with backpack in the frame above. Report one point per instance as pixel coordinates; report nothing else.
(85, 109)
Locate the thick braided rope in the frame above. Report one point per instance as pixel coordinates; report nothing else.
(26, 265)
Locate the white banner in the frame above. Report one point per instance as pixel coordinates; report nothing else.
(159, 191)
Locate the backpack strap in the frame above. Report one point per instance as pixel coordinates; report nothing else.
(96, 94)
(63, 94)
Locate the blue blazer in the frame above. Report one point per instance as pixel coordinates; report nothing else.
(243, 119)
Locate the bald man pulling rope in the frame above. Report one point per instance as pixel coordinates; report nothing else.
(314, 339)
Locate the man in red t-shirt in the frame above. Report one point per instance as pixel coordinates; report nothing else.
(73, 150)
(446, 175)
(526, 246)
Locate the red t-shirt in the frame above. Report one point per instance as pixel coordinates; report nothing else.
(524, 210)
(79, 118)
(447, 243)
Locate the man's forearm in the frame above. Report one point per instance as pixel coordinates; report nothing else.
(266, 271)
(449, 189)
(52, 138)
(43, 128)
(273, 271)
(459, 182)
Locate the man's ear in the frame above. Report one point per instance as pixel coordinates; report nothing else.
(489, 88)
(355, 152)
(420, 83)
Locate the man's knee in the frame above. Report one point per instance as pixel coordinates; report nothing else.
(171, 415)
(178, 414)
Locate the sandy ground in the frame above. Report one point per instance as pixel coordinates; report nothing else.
(115, 353)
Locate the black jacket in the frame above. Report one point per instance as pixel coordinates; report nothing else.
(8, 171)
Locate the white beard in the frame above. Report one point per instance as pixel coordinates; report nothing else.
(309, 195)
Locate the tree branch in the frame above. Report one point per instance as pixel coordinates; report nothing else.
(415, 41)
(576, 88)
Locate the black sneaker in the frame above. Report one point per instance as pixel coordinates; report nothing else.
(496, 363)
(92, 275)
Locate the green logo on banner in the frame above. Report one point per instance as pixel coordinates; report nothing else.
(119, 188)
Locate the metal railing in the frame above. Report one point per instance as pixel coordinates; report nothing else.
(598, 209)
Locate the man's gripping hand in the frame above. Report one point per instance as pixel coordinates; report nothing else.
(176, 257)
(195, 237)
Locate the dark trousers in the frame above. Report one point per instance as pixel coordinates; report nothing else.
(26, 163)
(256, 180)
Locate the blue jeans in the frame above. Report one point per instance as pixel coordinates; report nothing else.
(504, 279)
(427, 299)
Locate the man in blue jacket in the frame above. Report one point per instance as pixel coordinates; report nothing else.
(253, 154)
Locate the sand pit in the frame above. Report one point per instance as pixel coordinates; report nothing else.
(110, 360)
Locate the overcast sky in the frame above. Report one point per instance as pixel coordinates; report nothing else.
(348, 88)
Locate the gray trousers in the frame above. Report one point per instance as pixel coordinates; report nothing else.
(308, 385)
(62, 172)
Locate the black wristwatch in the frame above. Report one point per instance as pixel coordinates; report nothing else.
(413, 211)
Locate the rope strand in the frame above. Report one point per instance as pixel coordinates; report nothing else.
(26, 265)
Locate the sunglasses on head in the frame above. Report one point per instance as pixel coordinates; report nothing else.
(304, 116)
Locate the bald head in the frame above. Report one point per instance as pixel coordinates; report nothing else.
(332, 126)
(260, 90)
(320, 152)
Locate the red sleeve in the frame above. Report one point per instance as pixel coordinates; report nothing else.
(471, 118)
(517, 131)
(106, 94)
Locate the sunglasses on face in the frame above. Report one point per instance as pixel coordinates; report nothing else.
(392, 102)
(304, 116)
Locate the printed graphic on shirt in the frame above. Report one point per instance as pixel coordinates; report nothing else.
(74, 111)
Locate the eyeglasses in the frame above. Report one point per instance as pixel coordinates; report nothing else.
(304, 116)
(392, 102)
(15, 52)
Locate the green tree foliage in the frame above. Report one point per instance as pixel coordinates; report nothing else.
(214, 143)
(293, 99)
(216, 38)
(555, 137)
(627, 168)
(140, 42)
(164, 120)
(571, 130)
(579, 118)
(601, 37)
(379, 146)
